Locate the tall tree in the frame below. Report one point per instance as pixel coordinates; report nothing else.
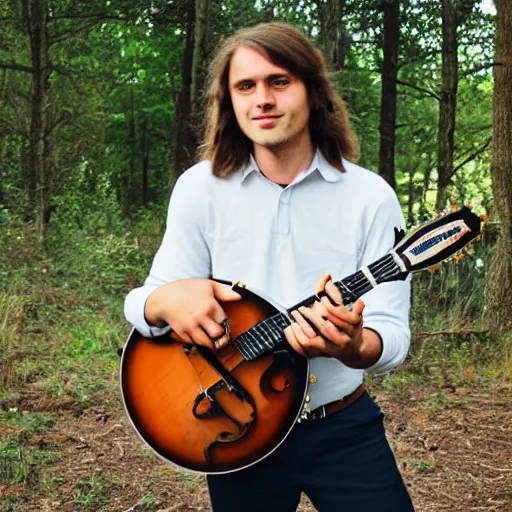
(200, 42)
(391, 34)
(448, 102)
(499, 287)
(35, 20)
(332, 38)
(185, 141)
(454, 13)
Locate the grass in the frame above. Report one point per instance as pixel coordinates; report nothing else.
(421, 466)
(22, 465)
(93, 490)
(29, 423)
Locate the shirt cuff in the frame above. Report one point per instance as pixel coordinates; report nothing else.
(395, 345)
(134, 306)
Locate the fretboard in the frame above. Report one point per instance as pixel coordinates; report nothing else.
(267, 334)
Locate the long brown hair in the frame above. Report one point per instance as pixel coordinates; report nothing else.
(227, 146)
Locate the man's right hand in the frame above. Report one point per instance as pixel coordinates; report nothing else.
(191, 308)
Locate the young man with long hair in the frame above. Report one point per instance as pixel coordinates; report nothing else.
(277, 202)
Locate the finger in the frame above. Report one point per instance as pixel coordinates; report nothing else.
(224, 293)
(333, 316)
(320, 285)
(341, 313)
(292, 340)
(302, 338)
(305, 326)
(333, 292)
(182, 338)
(315, 319)
(200, 337)
(213, 327)
(358, 308)
(328, 331)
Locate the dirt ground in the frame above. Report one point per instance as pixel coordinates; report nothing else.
(455, 455)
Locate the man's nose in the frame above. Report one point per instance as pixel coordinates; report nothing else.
(265, 98)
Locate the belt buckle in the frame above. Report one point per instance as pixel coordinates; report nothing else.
(322, 412)
(317, 414)
(305, 415)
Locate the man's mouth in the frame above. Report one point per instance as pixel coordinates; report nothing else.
(266, 117)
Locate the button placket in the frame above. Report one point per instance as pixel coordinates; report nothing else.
(283, 212)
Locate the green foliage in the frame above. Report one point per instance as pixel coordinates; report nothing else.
(421, 466)
(440, 401)
(29, 423)
(22, 465)
(91, 491)
(462, 358)
(399, 386)
(452, 296)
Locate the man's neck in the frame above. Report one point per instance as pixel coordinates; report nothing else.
(282, 164)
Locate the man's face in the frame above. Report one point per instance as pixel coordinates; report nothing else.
(270, 104)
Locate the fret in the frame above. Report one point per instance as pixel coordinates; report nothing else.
(267, 334)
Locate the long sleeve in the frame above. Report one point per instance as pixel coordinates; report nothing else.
(183, 252)
(387, 305)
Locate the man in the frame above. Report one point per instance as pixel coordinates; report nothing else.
(275, 204)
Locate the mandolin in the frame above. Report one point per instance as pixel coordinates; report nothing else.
(219, 412)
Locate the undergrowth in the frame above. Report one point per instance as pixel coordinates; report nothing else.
(62, 325)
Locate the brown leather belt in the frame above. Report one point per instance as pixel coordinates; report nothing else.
(332, 407)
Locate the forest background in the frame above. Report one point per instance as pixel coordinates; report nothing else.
(100, 112)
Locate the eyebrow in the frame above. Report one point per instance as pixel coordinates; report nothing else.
(268, 78)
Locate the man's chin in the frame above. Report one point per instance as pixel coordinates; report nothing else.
(272, 142)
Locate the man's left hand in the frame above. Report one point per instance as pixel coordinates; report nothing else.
(339, 331)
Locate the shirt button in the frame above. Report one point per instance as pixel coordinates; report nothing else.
(312, 378)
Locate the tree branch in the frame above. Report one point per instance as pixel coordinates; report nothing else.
(420, 89)
(13, 128)
(16, 67)
(69, 76)
(419, 58)
(54, 125)
(472, 156)
(461, 332)
(476, 69)
(99, 16)
(68, 33)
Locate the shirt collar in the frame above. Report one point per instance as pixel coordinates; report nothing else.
(319, 164)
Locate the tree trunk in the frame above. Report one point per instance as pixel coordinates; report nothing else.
(185, 142)
(448, 104)
(200, 38)
(29, 178)
(144, 143)
(36, 22)
(130, 193)
(423, 214)
(411, 200)
(389, 92)
(498, 314)
(332, 38)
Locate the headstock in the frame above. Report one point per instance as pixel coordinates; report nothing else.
(438, 239)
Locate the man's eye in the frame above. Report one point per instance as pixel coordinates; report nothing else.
(244, 87)
(280, 82)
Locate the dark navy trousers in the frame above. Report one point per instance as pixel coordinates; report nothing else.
(343, 463)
